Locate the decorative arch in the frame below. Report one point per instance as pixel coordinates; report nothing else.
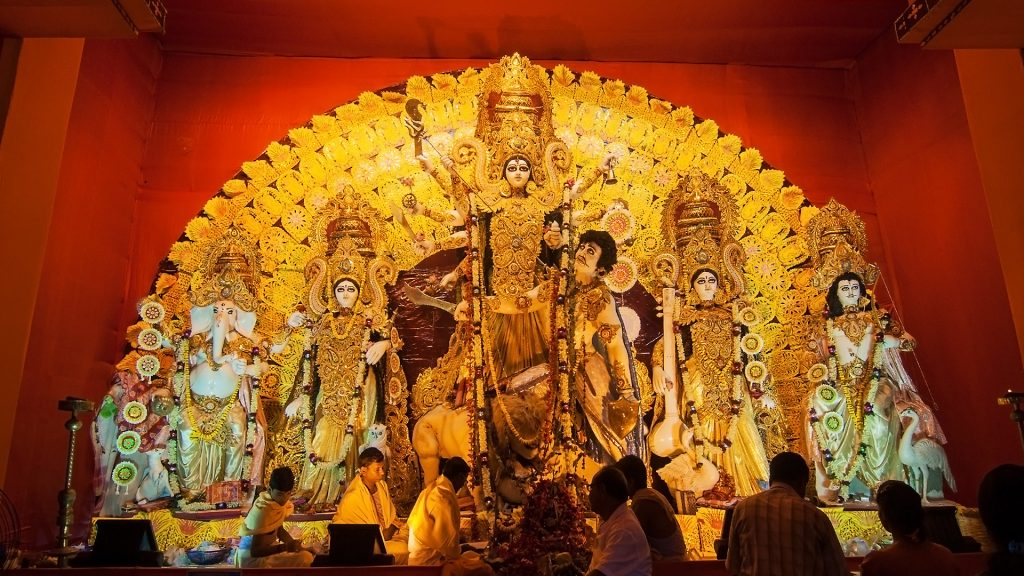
(275, 198)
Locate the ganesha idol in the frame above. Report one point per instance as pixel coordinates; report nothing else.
(220, 431)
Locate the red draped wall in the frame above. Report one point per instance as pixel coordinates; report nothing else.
(939, 240)
(143, 156)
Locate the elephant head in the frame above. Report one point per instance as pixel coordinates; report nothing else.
(220, 320)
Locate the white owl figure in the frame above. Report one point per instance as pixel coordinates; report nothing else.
(377, 437)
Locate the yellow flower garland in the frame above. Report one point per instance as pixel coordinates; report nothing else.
(832, 469)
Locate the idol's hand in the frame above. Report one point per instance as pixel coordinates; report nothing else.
(426, 163)
(376, 351)
(423, 245)
(661, 384)
(608, 162)
(296, 319)
(238, 364)
(449, 278)
(293, 407)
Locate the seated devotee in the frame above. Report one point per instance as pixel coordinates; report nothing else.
(779, 532)
(1001, 506)
(434, 521)
(621, 548)
(653, 511)
(265, 543)
(901, 513)
(368, 501)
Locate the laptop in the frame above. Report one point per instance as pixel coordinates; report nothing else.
(122, 542)
(355, 545)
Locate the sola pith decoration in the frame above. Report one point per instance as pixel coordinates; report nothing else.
(362, 148)
(552, 523)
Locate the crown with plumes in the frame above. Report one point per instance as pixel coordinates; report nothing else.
(231, 272)
(834, 224)
(515, 115)
(699, 203)
(841, 259)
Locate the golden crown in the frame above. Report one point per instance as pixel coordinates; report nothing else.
(843, 258)
(347, 215)
(699, 203)
(702, 252)
(515, 115)
(231, 272)
(347, 263)
(834, 224)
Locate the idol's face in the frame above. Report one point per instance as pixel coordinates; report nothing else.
(587, 256)
(706, 285)
(517, 172)
(346, 293)
(849, 293)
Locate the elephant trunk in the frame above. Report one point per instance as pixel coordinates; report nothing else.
(218, 333)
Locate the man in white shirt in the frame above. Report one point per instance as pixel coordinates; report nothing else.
(621, 548)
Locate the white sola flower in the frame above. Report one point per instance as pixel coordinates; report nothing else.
(152, 312)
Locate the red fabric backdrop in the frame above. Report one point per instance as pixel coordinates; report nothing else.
(939, 240)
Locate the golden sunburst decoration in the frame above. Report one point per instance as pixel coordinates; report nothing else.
(276, 202)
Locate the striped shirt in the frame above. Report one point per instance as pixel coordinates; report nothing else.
(779, 533)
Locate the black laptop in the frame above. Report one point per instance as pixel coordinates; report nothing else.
(122, 542)
(355, 545)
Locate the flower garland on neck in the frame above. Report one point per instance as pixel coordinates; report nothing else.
(355, 403)
(821, 432)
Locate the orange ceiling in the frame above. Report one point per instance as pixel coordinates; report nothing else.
(828, 33)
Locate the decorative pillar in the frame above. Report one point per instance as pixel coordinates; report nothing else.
(1016, 401)
(66, 497)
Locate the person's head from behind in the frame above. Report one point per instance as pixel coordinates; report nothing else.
(1001, 505)
(900, 510)
(371, 466)
(282, 482)
(789, 468)
(608, 491)
(635, 471)
(457, 471)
